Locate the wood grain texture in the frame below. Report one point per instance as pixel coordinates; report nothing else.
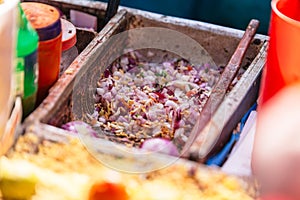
(220, 89)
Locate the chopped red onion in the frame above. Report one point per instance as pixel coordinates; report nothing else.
(171, 104)
(160, 145)
(148, 100)
(78, 126)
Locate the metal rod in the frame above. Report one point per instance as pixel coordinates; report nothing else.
(111, 10)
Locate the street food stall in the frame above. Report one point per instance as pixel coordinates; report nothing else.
(138, 112)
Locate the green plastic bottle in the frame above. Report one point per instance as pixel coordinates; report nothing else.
(26, 70)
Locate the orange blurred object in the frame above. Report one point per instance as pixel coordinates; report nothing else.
(108, 191)
(283, 60)
(46, 20)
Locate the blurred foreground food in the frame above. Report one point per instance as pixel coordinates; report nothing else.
(68, 171)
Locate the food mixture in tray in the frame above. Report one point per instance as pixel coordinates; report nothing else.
(137, 100)
(66, 171)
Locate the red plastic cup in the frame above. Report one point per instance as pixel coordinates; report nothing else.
(283, 60)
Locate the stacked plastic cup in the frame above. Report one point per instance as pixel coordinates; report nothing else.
(283, 60)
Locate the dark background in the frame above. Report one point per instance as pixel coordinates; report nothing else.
(230, 13)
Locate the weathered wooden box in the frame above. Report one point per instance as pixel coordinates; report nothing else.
(220, 42)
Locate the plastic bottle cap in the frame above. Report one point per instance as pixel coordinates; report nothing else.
(44, 18)
(68, 35)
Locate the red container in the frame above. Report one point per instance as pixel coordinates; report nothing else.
(283, 59)
(46, 20)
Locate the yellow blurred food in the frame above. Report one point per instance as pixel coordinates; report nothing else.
(69, 172)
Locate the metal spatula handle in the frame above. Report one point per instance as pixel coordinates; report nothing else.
(111, 10)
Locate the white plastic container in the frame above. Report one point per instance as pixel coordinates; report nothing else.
(8, 27)
(69, 50)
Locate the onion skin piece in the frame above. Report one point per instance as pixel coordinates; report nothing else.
(73, 127)
(160, 145)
